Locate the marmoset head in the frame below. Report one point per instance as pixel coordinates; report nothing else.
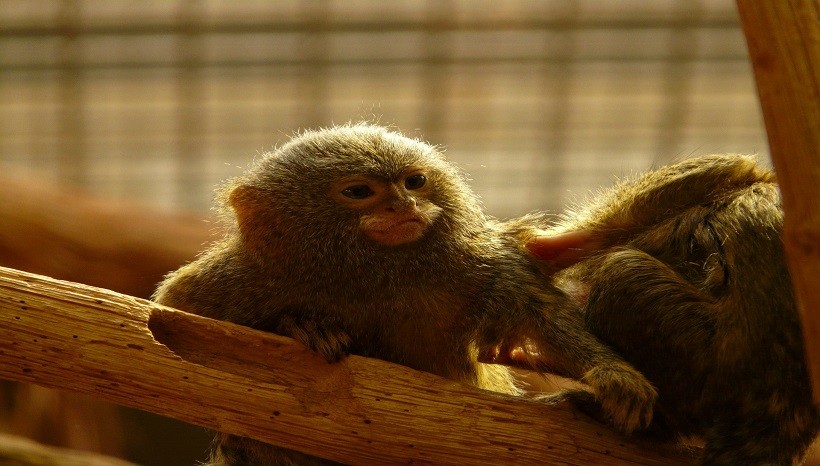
(349, 187)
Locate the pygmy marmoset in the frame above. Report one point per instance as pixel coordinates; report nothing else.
(358, 239)
(682, 272)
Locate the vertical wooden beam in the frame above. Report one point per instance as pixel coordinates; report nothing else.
(783, 37)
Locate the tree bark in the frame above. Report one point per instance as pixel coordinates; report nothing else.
(239, 380)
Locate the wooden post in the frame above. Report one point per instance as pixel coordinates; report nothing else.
(784, 45)
(235, 379)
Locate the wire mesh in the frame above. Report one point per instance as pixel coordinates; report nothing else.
(539, 101)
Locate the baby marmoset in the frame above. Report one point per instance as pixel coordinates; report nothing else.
(358, 239)
(682, 272)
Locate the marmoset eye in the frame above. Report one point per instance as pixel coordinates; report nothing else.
(415, 181)
(360, 191)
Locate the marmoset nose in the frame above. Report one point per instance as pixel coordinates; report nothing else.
(401, 203)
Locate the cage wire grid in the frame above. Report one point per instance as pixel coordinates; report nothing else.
(539, 102)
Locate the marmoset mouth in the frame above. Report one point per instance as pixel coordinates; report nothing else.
(402, 223)
(402, 231)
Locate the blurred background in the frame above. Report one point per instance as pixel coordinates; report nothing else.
(537, 100)
(122, 116)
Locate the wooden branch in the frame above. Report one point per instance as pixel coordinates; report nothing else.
(51, 228)
(63, 232)
(235, 379)
(20, 451)
(784, 44)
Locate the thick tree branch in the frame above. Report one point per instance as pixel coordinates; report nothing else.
(239, 380)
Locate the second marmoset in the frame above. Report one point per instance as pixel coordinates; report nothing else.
(683, 272)
(358, 239)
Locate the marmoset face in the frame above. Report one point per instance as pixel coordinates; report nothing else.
(392, 212)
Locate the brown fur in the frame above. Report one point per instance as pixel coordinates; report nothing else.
(302, 261)
(685, 277)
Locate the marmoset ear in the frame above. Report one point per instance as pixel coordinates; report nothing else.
(256, 218)
(565, 249)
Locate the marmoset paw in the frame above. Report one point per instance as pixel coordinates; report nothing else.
(326, 338)
(332, 344)
(580, 398)
(626, 397)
